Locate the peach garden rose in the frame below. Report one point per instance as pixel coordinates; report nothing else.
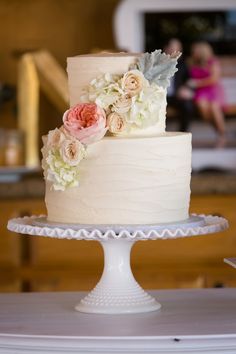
(116, 123)
(132, 82)
(72, 152)
(86, 122)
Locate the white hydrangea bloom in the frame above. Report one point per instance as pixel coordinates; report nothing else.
(60, 173)
(146, 107)
(103, 90)
(61, 161)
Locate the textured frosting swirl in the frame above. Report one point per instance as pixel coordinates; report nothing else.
(128, 181)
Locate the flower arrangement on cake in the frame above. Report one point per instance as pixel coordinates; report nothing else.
(114, 103)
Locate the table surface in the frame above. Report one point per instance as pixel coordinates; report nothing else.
(189, 319)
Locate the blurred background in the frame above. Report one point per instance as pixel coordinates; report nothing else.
(36, 38)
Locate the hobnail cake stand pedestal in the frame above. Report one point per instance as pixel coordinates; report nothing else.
(117, 292)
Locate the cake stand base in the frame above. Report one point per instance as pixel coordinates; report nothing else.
(117, 292)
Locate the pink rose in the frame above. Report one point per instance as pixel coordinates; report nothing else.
(86, 122)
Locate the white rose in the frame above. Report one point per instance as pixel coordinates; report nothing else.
(72, 151)
(116, 123)
(123, 104)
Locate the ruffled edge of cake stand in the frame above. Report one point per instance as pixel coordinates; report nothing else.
(211, 224)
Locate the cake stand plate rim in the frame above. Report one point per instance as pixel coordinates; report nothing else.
(193, 221)
(211, 224)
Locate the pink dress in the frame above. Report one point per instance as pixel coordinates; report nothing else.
(211, 93)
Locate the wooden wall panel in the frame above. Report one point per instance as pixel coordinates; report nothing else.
(207, 250)
(63, 27)
(10, 243)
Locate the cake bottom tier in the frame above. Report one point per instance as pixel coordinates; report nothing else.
(128, 181)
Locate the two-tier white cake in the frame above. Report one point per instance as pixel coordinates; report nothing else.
(112, 162)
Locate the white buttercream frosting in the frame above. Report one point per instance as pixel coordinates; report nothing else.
(128, 181)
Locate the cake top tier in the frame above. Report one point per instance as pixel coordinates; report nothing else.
(130, 88)
(107, 55)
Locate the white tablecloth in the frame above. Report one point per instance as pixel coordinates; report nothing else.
(190, 321)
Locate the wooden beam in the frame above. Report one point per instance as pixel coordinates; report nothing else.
(28, 108)
(53, 79)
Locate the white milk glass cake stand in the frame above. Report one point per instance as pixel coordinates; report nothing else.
(117, 292)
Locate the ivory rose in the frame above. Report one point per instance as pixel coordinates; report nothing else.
(116, 123)
(86, 122)
(72, 152)
(132, 82)
(55, 137)
(123, 104)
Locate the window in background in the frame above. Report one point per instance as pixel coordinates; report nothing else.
(216, 27)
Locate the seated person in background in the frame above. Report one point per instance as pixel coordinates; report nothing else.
(7, 92)
(179, 95)
(208, 92)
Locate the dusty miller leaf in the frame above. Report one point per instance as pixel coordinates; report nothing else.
(158, 67)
